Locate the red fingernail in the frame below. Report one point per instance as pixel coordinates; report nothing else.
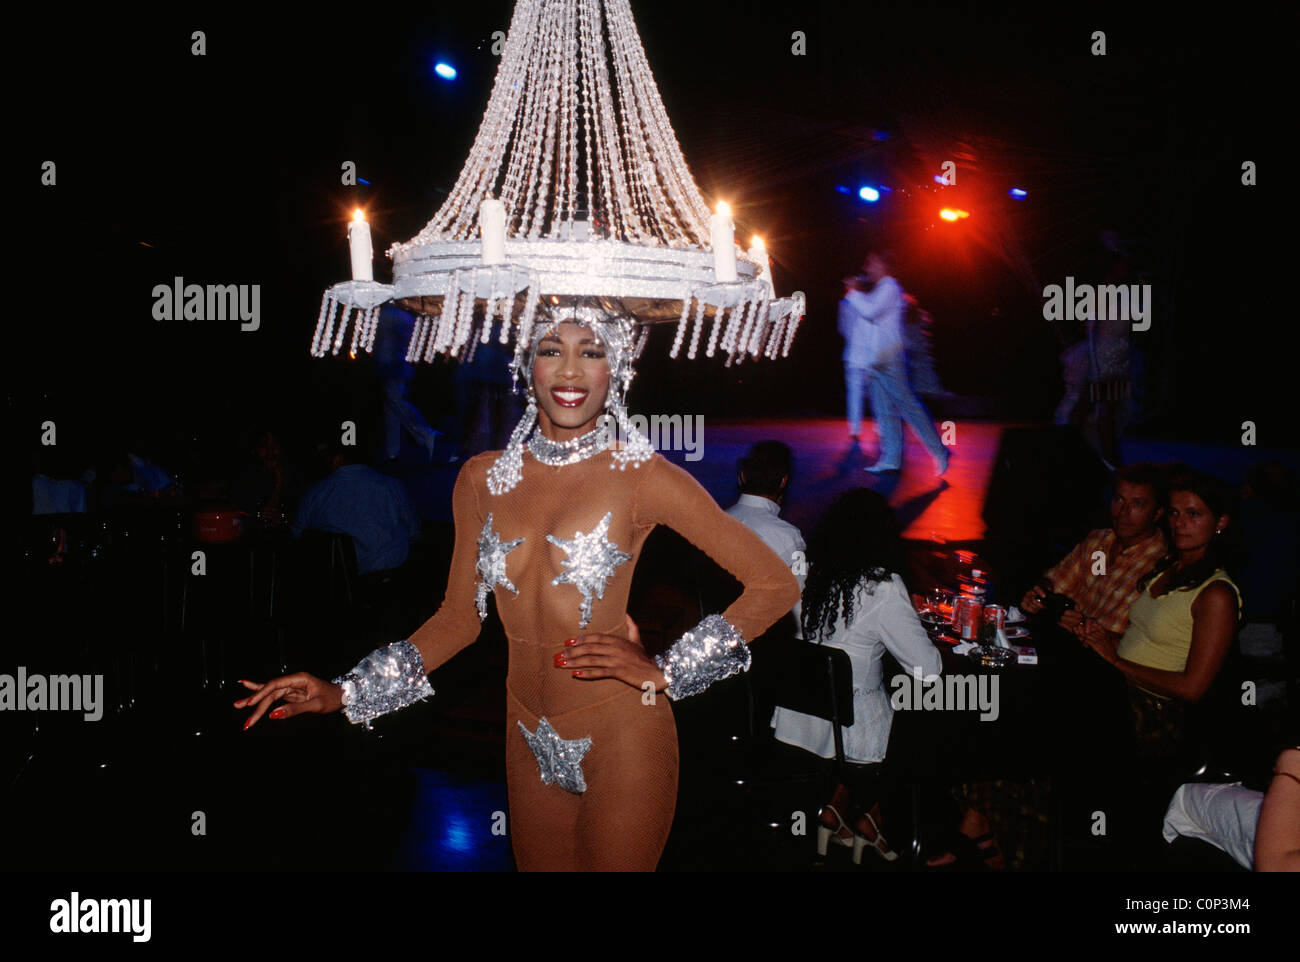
(577, 674)
(247, 723)
(560, 661)
(278, 713)
(572, 641)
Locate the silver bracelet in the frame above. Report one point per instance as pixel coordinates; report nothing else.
(386, 680)
(711, 651)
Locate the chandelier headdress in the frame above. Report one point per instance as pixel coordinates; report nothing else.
(575, 202)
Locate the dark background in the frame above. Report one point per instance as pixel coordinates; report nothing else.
(225, 169)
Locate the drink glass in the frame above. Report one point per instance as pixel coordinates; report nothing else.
(941, 601)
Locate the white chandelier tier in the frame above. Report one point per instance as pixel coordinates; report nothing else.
(575, 196)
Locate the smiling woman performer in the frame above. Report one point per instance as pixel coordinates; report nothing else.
(591, 755)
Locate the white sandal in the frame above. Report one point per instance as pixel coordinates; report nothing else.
(879, 844)
(827, 833)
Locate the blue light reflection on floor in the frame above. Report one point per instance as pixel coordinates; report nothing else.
(450, 826)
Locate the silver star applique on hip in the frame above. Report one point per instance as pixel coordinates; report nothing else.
(560, 761)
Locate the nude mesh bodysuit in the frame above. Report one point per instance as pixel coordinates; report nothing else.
(621, 821)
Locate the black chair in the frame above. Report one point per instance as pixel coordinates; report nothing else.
(808, 678)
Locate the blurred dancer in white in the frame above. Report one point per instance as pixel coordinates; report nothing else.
(892, 398)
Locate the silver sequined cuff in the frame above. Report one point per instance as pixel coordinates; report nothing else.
(711, 651)
(386, 679)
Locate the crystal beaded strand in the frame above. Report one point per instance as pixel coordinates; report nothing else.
(368, 338)
(741, 344)
(466, 319)
(435, 333)
(796, 315)
(356, 332)
(695, 335)
(329, 326)
(413, 345)
(760, 325)
(320, 324)
(713, 334)
(343, 323)
(681, 326)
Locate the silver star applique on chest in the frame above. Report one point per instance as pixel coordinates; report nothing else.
(560, 761)
(591, 562)
(492, 553)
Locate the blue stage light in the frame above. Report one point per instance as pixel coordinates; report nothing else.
(1018, 193)
(445, 70)
(869, 194)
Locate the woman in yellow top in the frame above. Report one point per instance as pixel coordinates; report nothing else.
(1183, 623)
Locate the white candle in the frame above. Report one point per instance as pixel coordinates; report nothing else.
(723, 235)
(492, 227)
(362, 252)
(758, 252)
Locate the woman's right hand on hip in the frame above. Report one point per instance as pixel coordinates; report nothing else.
(300, 693)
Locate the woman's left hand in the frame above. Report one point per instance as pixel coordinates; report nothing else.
(595, 656)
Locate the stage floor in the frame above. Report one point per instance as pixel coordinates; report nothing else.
(827, 464)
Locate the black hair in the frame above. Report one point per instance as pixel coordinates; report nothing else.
(1218, 497)
(764, 467)
(857, 538)
(1154, 476)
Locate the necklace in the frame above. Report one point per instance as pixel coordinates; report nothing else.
(558, 453)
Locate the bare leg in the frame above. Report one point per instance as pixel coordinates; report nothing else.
(973, 825)
(840, 802)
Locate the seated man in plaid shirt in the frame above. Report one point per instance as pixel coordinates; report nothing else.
(1101, 574)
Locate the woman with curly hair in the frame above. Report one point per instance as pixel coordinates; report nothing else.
(854, 599)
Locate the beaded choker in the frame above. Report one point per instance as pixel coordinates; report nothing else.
(557, 453)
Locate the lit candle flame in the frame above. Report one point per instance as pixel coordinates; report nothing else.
(358, 214)
(757, 243)
(724, 208)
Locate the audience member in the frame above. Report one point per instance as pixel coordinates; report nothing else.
(52, 491)
(1102, 573)
(373, 508)
(1277, 837)
(270, 486)
(1223, 815)
(1183, 621)
(764, 478)
(854, 599)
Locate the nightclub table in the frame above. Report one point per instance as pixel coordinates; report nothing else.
(960, 744)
